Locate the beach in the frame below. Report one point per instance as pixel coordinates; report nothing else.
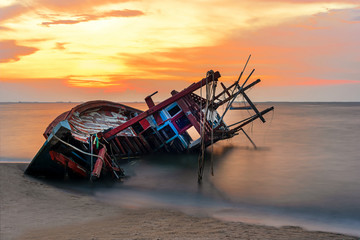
(35, 209)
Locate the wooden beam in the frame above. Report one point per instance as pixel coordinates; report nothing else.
(253, 107)
(130, 145)
(218, 104)
(189, 114)
(251, 119)
(225, 89)
(120, 145)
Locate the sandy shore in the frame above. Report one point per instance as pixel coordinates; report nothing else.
(33, 209)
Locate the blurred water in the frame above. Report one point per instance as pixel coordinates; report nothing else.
(305, 171)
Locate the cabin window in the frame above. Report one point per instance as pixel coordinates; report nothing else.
(182, 122)
(167, 132)
(173, 110)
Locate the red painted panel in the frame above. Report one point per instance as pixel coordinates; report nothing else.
(144, 123)
(99, 163)
(97, 168)
(76, 168)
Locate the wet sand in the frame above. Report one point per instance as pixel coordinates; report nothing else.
(33, 209)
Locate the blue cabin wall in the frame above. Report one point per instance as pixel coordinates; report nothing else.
(166, 115)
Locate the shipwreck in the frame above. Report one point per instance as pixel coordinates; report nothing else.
(94, 138)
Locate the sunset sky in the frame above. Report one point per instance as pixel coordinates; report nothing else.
(119, 50)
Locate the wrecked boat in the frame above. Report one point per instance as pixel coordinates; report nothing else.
(94, 138)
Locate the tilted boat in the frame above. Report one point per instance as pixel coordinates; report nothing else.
(93, 138)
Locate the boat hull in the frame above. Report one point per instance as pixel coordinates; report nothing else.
(93, 138)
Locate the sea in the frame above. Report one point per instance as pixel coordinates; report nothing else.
(304, 171)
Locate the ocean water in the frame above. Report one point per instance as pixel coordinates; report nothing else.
(305, 171)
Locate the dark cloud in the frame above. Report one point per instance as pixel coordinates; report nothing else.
(11, 52)
(92, 17)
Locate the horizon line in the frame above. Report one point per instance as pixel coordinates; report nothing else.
(160, 101)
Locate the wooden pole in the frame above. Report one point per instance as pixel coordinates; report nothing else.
(249, 138)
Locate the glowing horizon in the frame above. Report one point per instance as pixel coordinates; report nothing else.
(52, 50)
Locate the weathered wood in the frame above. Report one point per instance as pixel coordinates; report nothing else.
(253, 107)
(189, 115)
(130, 145)
(218, 104)
(145, 143)
(236, 129)
(98, 164)
(67, 162)
(225, 90)
(109, 134)
(127, 133)
(248, 137)
(149, 100)
(246, 79)
(120, 145)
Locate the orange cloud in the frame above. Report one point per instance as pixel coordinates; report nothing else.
(305, 52)
(92, 17)
(76, 5)
(12, 11)
(91, 83)
(60, 45)
(283, 54)
(119, 83)
(54, 22)
(120, 88)
(190, 64)
(11, 52)
(2, 28)
(35, 40)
